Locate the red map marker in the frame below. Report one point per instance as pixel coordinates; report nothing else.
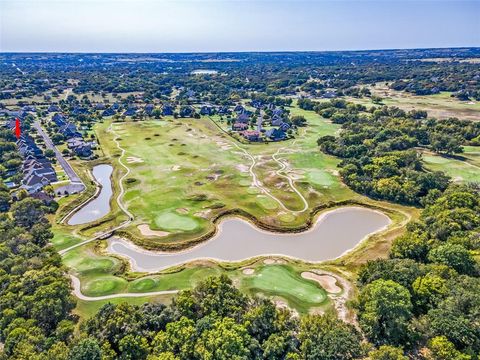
(17, 128)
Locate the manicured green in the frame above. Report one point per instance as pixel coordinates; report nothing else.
(283, 281)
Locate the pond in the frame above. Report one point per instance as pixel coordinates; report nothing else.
(204, 72)
(334, 233)
(100, 206)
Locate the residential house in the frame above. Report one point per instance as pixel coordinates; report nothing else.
(69, 130)
(243, 118)
(251, 135)
(53, 108)
(109, 112)
(59, 119)
(239, 126)
(80, 147)
(207, 110)
(275, 134)
(131, 110)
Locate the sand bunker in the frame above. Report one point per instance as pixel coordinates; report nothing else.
(248, 271)
(327, 282)
(242, 168)
(133, 160)
(146, 231)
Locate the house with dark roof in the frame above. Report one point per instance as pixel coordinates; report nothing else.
(59, 119)
(80, 147)
(53, 108)
(207, 110)
(131, 110)
(109, 112)
(242, 118)
(69, 130)
(275, 134)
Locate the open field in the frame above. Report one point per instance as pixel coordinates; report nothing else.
(440, 105)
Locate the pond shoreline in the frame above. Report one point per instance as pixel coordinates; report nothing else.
(99, 192)
(140, 251)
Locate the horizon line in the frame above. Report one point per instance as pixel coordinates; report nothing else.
(239, 51)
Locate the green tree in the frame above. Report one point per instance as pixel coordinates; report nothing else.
(225, 340)
(326, 337)
(133, 347)
(385, 310)
(455, 256)
(442, 349)
(86, 349)
(387, 352)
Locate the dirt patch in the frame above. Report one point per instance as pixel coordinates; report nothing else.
(329, 283)
(281, 304)
(175, 168)
(204, 213)
(316, 311)
(182, 210)
(248, 271)
(134, 160)
(146, 231)
(273, 261)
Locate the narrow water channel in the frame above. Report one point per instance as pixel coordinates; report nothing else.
(100, 206)
(334, 233)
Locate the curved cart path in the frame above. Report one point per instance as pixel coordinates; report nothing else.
(119, 201)
(283, 167)
(264, 190)
(78, 293)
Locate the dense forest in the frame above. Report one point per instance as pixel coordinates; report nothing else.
(424, 301)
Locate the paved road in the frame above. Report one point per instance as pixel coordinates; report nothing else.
(74, 178)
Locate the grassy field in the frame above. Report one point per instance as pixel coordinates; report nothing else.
(440, 105)
(460, 169)
(187, 172)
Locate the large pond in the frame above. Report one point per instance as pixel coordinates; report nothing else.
(100, 206)
(334, 233)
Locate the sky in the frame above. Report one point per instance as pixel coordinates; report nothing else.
(235, 25)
